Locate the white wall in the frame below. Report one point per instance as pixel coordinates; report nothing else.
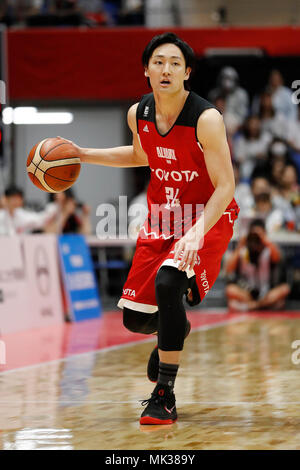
(101, 128)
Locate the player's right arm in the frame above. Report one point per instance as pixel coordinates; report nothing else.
(126, 156)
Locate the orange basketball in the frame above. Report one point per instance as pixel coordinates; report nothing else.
(53, 165)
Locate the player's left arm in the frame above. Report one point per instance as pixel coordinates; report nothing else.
(211, 134)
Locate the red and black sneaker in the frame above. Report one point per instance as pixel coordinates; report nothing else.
(153, 362)
(161, 407)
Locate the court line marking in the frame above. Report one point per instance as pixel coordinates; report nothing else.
(239, 318)
(133, 402)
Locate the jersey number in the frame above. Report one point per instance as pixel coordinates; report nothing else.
(172, 197)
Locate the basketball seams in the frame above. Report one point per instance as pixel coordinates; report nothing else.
(57, 177)
(37, 182)
(41, 179)
(37, 154)
(52, 176)
(56, 183)
(45, 165)
(40, 168)
(43, 158)
(53, 148)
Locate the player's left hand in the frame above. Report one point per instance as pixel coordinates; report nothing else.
(186, 250)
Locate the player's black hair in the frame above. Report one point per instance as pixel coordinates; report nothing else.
(13, 191)
(170, 38)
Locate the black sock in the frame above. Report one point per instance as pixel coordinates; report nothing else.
(167, 374)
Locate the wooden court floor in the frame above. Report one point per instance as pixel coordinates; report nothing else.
(238, 387)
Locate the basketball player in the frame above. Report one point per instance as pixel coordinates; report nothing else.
(182, 138)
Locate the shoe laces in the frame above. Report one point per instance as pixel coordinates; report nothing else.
(156, 397)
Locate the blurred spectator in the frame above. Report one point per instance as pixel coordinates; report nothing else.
(255, 273)
(277, 160)
(57, 13)
(93, 10)
(14, 219)
(288, 197)
(272, 122)
(260, 184)
(293, 136)
(266, 210)
(297, 218)
(236, 98)
(219, 103)
(251, 146)
(112, 9)
(132, 13)
(7, 13)
(243, 194)
(278, 157)
(290, 188)
(281, 96)
(72, 217)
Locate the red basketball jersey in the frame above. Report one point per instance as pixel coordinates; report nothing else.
(179, 181)
(179, 178)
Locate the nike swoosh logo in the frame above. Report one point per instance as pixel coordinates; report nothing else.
(169, 411)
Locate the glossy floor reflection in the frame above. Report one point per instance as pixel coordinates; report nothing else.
(237, 388)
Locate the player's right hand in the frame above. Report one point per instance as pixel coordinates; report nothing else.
(186, 250)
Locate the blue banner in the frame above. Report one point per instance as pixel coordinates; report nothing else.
(79, 277)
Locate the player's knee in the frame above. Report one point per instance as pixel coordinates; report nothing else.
(131, 320)
(140, 322)
(170, 282)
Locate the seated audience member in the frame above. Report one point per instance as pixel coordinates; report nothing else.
(7, 13)
(288, 199)
(273, 166)
(243, 194)
(219, 103)
(132, 13)
(261, 185)
(236, 98)
(258, 185)
(58, 13)
(293, 137)
(251, 147)
(15, 219)
(272, 122)
(290, 188)
(72, 217)
(278, 152)
(255, 273)
(297, 218)
(281, 96)
(265, 209)
(93, 11)
(112, 10)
